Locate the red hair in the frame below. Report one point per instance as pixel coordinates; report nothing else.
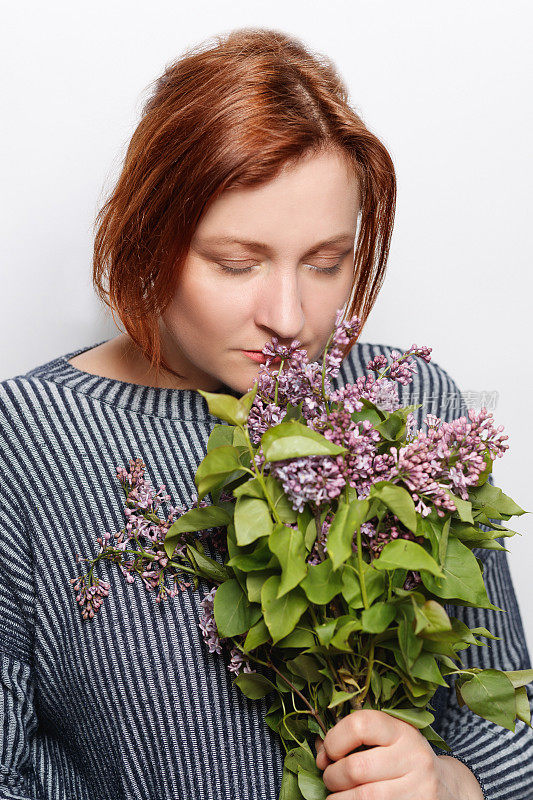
(230, 114)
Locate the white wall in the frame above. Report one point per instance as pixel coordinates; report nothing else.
(446, 85)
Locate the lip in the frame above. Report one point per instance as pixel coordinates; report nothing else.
(259, 357)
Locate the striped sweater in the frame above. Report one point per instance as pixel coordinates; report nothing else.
(131, 704)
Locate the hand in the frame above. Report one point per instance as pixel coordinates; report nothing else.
(402, 765)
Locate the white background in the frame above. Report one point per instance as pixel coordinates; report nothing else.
(446, 85)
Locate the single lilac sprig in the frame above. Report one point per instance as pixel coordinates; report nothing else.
(139, 547)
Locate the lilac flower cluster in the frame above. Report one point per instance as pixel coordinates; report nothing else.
(91, 597)
(297, 381)
(450, 455)
(380, 391)
(402, 367)
(320, 479)
(138, 548)
(208, 625)
(212, 639)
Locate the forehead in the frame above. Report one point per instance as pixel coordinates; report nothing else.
(312, 203)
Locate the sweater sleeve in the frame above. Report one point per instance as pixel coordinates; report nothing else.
(17, 684)
(500, 759)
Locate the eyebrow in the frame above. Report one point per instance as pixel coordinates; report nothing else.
(341, 237)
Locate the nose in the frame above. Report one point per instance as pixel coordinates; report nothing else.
(278, 306)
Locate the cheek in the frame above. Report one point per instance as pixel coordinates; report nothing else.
(207, 306)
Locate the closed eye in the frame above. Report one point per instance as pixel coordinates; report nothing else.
(327, 270)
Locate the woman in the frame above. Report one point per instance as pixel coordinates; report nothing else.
(253, 202)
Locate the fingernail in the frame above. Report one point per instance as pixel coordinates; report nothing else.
(320, 748)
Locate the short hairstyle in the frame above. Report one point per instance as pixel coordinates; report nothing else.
(230, 113)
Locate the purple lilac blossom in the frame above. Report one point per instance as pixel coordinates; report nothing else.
(208, 625)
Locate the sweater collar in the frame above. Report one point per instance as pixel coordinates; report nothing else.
(186, 404)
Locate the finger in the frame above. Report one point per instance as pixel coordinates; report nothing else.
(369, 766)
(364, 726)
(322, 760)
(385, 790)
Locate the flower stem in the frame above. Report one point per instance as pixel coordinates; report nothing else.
(273, 667)
(312, 710)
(369, 668)
(277, 381)
(360, 563)
(259, 475)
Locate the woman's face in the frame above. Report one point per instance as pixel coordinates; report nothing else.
(272, 237)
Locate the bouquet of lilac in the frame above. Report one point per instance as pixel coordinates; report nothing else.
(340, 532)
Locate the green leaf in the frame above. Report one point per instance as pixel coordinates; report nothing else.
(279, 499)
(431, 529)
(523, 710)
(488, 495)
(491, 695)
(281, 614)
(288, 545)
(209, 568)
(312, 786)
(215, 468)
(341, 638)
(340, 697)
(247, 399)
(370, 411)
(301, 758)
(464, 507)
(325, 631)
(299, 637)
(378, 617)
(219, 436)
(398, 500)
(233, 612)
(289, 786)
(252, 562)
(351, 588)
(254, 584)
(322, 583)
(418, 717)
(375, 683)
(425, 668)
(407, 554)
(294, 440)
(305, 519)
(251, 488)
(251, 519)
(294, 412)
(256, 636)
(431, 617)
(443, 540)
(470, 533)
(305, 666)
(518, 677)
(226, 407)
(196, 519)
(346, 521)
(462, 577)
(484, 632)
(254, 685)
(393, 427)
(410, 644)
(433, 736)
